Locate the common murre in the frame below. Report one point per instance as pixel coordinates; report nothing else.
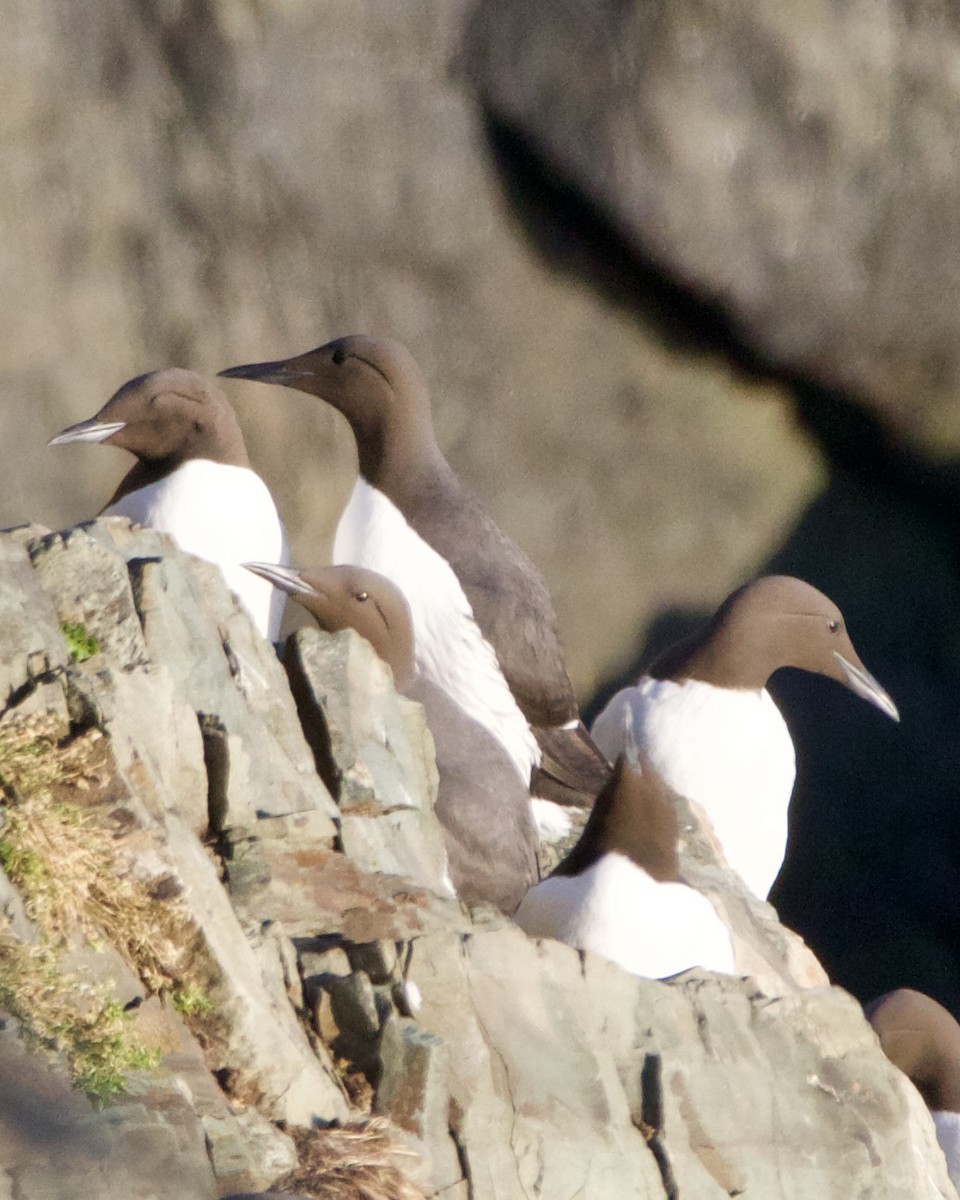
(482, 804)
(920, 1037)
(481, 610)
(192, 479)
(704, 717)
(619, 893)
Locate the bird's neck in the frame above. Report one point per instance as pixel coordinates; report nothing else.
(146, 471)
(635, 817)
(402, 462)
(143, 473)
(222, 443)
(713, 656)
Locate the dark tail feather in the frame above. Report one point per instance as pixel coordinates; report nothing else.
(572, 772)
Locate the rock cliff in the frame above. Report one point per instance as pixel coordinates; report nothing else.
(726, 343)
(222, 969)
(773, 189)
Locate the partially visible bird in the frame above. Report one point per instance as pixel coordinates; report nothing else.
(618, 893)
(920, 1037)
(481, 803)
(192, 479)
(486, 631)
(704, 717)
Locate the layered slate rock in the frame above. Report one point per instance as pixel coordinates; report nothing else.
(54, 1146)
(238, 694)
(536, 1068)
(125, 703)
(375, 751)
(34, 646)
(754, 155)
(773, 955)
(265, 972)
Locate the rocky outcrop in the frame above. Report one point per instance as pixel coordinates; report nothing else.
(244, 184)
(245, 992)
(707, 187)
(734, 176)
(756, 158)
(370, 744)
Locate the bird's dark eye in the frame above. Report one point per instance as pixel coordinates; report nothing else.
(361, 595)
(834, 626)
(339, 355)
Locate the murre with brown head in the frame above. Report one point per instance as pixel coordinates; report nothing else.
(619, 893)
(704, 716)
(484, 623)
(192, 479)
(920, 1037)
(482, 804)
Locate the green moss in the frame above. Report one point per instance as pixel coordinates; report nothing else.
(190, 1000)
(21, 866)
(63, 860)
(103, 1050)
(59, 1016)
(82, 645)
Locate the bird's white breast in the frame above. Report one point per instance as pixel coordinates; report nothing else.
(451, 651)
(728, 749)
(616, 909)
(223, 514)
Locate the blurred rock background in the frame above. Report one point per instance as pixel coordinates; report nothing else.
(684, 279)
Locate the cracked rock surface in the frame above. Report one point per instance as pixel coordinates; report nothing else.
(212, 985)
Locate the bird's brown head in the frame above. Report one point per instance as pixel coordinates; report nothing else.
(166, 416)
(774, 621)
(922, 1038)
(636, 815)
(374, 382)
(349, 597)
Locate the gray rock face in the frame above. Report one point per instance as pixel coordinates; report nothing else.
(375, 750)
(54, 1146)
(260, 975)
(264, 1047)
(140, 686)
(763, 948)
(207, 240)
(755, 156)
(34, 643)
(91, 590)
(241, 691)
(590, 1080)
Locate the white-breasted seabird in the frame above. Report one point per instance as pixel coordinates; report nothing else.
(192, 479)
(482, 804)
(704, 716)
(486, 631)
(619, 893)
(922, 1038)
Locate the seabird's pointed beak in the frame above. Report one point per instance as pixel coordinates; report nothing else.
(268, 372)
(859, 680)
(87, 431)
(287, 579)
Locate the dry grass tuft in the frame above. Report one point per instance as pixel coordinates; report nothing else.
(356, 1162)
(64, 859)
(60, 1014)
(28, 763)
